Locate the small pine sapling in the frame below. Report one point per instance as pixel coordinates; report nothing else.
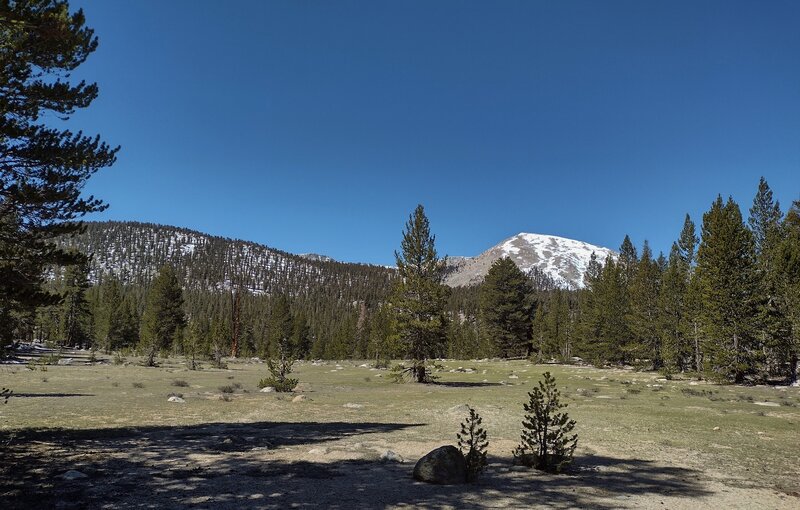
(472, 443)
(547, 442)
(280, 369)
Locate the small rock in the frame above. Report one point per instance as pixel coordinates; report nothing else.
(513, 377)
(444, 465)
(302, 387)
(176, 399)
(318, 451)
(351, 405)
(768, 404)
(715, 428)
(65, 361)
(693, 383)
(300, 398)
(390, 456)
(268, 389)
(73, 474)
(459, 409)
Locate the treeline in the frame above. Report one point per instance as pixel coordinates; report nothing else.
(725, 304)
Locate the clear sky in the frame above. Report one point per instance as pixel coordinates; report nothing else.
(317, 126)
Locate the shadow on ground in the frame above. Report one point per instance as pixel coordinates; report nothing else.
(218, 465)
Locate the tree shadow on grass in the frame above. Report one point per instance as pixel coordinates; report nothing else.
(463, 384)
(219, 465)
(50, 395)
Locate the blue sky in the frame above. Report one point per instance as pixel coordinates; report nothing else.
(316, 126)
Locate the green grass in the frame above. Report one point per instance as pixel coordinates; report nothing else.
(620, 413)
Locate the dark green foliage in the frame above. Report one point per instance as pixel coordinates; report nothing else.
(547, 442)
(725, 278)
(43, 169)
(280, 367)
(473, 444)
(75, 318)
(505, 308)
(644, 311)
(163, 316)
(419, 297)
(5, 394)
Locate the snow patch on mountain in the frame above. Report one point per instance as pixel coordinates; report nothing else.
(564, 260)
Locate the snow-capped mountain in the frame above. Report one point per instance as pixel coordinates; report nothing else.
(564, 260)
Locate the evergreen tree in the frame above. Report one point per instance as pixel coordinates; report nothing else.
(505, 308)
(673, 315)
(765, 218)
(163, 316)
(280, 326)
(628, 260)
(787, 262)
(644, 308)
(76, 320)
(42, 169)
(111, 320)
(419, 296)
(725, 262)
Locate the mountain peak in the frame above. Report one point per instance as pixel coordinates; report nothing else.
(564, 260)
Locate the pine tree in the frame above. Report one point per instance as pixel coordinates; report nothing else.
(419, 297)
(473, 444)
(725, 263)
(673, 314)
(765, 218)
(110, 317)
(628, 260)
(787, 262)
(644, 308)
(163, 316)
(75, 322)
(547, 441)
(505, 308)
(43, 169)
(771, 318)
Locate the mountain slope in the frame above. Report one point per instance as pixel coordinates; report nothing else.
(133, 252)
(564, 260)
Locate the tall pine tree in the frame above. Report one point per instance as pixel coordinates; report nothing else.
(43, 169)
(725, 274)
(419, 296)
(505, 308)
(163, 315)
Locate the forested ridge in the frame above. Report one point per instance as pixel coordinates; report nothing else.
(723, 303)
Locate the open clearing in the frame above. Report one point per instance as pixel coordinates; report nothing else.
(644, 442)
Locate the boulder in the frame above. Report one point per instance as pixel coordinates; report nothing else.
(176, 399)
(444, 465)
(267, 389)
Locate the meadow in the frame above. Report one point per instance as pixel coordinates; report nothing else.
(353, 437)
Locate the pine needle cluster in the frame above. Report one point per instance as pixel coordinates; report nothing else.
(473, 444)
(547, 441)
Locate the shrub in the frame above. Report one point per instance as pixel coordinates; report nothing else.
(5, 393)
(400, 372)
(119, 359)
(180, 383)
(547, 442)
(280, 369)
(227, 389)
(472, 443)
(382, 363)
(138, 385)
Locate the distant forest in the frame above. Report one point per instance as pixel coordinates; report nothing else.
(724, 302)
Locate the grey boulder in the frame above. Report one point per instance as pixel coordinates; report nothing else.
(444, 465)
